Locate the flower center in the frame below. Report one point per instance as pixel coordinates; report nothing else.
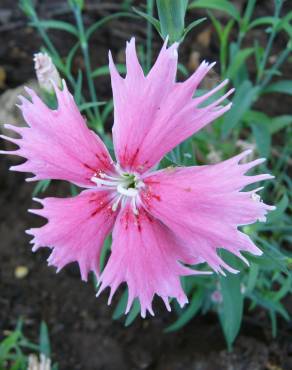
(125, 185)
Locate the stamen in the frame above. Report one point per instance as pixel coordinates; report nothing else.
(134, 206)
(125, 185)
(116, 203)
(131, 192)
(105, 176)
(103, 182)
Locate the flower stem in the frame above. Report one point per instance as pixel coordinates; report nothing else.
(149, 37)
(278, 7)
(85, 52)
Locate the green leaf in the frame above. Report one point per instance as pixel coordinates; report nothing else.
(262, 137)
(107, 110)
(9, 343)
(248, 12)
(284, 87)
(263, 21)
(184, 71)
(19, 364)
(279, 211)
(44, 340)
(189, 312)
(252, 277)
(191, 26)
(78, 3)
(239, 59)
(285, 289)
(274, 124)
(273, 318)
(232, 307)
(69, 59)
(78, 87)
(155, 22)
(95, 26)
(85, 106)
(104, 252)
(172, 18)
(222, 5)
(270, 305)
(73, 190)
(134, 312)
(243, 99)
(280, 122)
(41, 187)
(104, 70)
(57, 25)
(121, 306)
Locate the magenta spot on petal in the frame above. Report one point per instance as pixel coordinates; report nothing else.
(89, 167)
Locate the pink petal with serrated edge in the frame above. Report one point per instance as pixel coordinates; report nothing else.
(76, 229)
(153, 113)
(204, 205)
(145, 255)
(57, 144)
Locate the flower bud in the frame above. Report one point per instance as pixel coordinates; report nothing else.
(216, 296)
(46, 72)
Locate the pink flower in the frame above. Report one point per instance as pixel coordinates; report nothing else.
(162, 221)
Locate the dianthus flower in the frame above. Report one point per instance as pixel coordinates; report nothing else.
(162, 222)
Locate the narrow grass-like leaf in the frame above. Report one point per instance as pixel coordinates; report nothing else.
(222, 5)
(279, 211)
(44, 340)
(155, 22)
(283, 87)
(191, 26)
(252, 277)
(41, 187)
(57, 25)
(189, 312)
(8, 344)
(239, 59)
(121, 306)
(232, 307)
(134, 312)
(85, 106)
(243, 99)
(95, 26)
(263, 138)
(104, 70)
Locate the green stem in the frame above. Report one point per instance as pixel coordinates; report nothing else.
(280, 60)
(262, 67)
(85, 51)
(149, 37)
(45, 37)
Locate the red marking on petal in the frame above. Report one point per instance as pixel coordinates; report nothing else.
(89, 167)
(134, 156)
(104, 160)
(125, 219)
(101, 204)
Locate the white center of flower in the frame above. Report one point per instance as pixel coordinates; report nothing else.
(125, 185)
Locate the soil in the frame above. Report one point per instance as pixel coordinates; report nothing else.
(83, 335)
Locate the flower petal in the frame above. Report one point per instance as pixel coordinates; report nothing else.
(204, 206)
(76, 229)
(145, 254)
(57, 144)
(153, 113)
